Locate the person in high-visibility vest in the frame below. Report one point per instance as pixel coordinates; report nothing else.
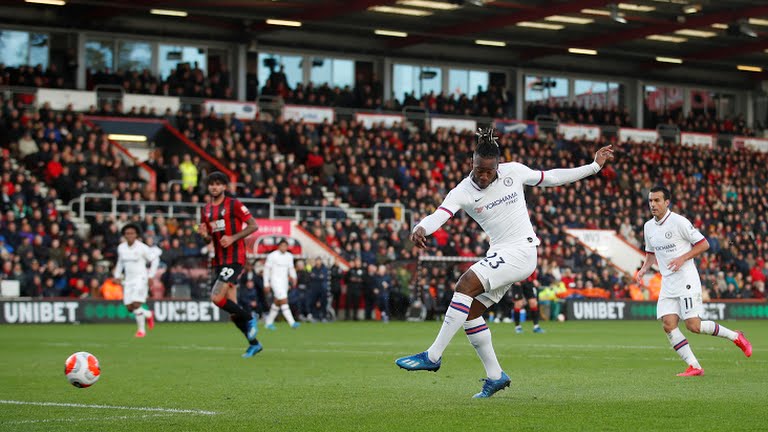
(188, 173)
(111, 289)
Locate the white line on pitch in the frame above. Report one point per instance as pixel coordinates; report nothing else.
(116, 407)
(83, 419)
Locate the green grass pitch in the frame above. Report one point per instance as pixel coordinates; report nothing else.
(579, 376)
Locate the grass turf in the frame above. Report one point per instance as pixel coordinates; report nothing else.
(341, 376)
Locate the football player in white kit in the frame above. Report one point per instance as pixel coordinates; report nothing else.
(279, 274)
(132, 258)
(492, 195)
(673, 242)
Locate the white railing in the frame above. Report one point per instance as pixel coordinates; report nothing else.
(83, 206)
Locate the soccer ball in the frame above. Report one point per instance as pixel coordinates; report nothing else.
(82, 369)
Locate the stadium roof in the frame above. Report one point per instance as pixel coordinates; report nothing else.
(710, 37)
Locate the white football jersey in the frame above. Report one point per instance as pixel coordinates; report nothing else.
(669, 238)
(500, 209)
(278, 267)
(132, 260)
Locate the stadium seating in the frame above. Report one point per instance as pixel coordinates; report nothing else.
(291, 163)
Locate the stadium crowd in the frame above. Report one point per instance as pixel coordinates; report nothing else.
(290, 163)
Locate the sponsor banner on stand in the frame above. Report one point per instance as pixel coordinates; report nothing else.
(387, 120)
(586, 132)
(578, 309)
(308, 114)
(756, 144)
(697, 139)
(159, 103)
(638, 135)
(267, 227)
(99, 311)
(60, 99)
(452, 123)
(241, 110)
(516, 126)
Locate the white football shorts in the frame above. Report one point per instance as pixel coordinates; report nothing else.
(135, 291)
(501, 268)
(688, 305)
(280, 289)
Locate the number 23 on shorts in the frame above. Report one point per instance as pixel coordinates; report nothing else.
(493, 261)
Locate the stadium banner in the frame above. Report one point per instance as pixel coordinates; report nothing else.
(528, 128)
(638, 135)
(102, 311)
(609, 245)
(60, 99)
(370, 120)
(159, 103)
(452, 123)
(267, 227)
(757, 144)
(241, 110)
(580, 309)
(308, 114)
(571, 131)
(697, 139)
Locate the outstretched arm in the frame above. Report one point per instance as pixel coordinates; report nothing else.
(428, 225)
(562, 176)
(451, 204)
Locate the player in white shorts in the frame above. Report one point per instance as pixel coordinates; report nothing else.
(493, 195)
(132, 259)
(673, 242)
(279, 275)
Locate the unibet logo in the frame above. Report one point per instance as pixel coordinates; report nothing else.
(598, 310)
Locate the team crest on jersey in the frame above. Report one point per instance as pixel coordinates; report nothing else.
(668, 234)
(478, 210)
(222, 212)
(508, 181)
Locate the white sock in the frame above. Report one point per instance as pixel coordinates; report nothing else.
(480, 337)
(141, 319)
(454, 318)
(680, 344)
(715, 329)
(286, 310)
(273, 311)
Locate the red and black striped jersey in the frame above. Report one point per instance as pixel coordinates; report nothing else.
(226, 218)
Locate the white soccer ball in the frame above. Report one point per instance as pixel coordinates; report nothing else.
(561, 317)
(82, 369)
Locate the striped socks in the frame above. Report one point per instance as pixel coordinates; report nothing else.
(680, 344)
(455, 317)
(479, 336)
(715, 329)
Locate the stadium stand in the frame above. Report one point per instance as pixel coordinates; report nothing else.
(292, 162)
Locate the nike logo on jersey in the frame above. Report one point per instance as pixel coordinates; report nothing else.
(478, 199)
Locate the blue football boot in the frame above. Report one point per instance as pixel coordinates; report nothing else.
(538, 329)
(270, 326)
(295, 325)
(418, 361)
(490, 387)
(253, 350)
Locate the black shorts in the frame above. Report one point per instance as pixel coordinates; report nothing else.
(227, 273)
(525, 290)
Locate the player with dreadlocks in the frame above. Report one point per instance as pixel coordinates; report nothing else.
(492, 195)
